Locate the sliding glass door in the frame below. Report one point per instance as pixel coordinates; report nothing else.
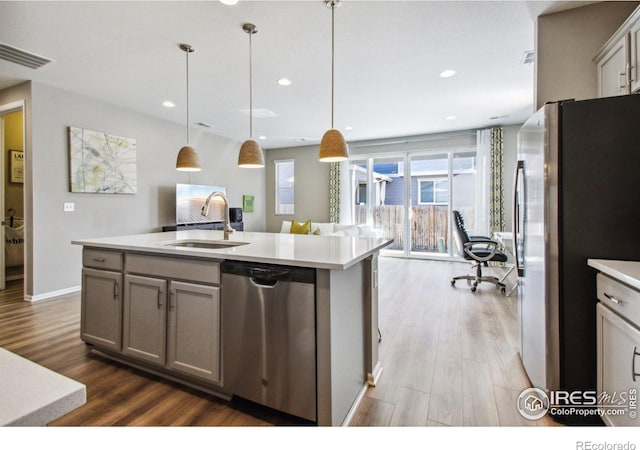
(409, 198)
(378, 192)
(429, 204)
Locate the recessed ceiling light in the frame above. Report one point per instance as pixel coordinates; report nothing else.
(447, 73)
(284, 82)
(262, 138)
(450, 117)
(168, 104)
(229, 2)
(348, 128)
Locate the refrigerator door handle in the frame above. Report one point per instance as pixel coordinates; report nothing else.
(516, 217)
(634, 374)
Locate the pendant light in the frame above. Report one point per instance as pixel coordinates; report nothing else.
(250, 155)
(333, 147)
(188, 160)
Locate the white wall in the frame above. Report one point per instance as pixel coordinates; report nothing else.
(57, 263)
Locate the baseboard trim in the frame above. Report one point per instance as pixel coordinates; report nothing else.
(52, 294)
(355, 405)
(373, 378)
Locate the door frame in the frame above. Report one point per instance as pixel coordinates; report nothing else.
(5, 109)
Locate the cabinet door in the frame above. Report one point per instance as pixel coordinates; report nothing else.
(101, 308)
(145, 318)
(634, 37)
(612, 70)
(194, 330)
(618, 366)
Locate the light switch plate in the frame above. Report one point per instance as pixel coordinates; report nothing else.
(69, 207)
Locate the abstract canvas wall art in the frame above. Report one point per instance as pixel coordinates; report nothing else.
(102, 163)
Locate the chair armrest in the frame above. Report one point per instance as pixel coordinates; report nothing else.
(492, 246)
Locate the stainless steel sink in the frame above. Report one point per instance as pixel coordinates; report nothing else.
(206, 244)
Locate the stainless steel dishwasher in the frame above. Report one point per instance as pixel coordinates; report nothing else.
(269, 335)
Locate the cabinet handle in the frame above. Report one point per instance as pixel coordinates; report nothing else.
(634, 374)
(620, 75)
(100, 260)
(116, 289)
(630, 69)
(160, 294)
(613, 299)
(171, 302)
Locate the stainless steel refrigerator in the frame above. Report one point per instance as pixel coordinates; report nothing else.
(576, 196)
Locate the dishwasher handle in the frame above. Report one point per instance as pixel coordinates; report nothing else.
(267, 277)
(263, 282)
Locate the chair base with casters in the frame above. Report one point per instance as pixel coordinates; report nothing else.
(479, 278)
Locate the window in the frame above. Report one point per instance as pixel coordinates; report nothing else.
(284, 187)
(361, 198)
(433, 191)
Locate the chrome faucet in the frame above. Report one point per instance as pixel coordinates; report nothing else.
(205, 211)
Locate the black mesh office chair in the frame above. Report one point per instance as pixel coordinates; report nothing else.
(480, 249)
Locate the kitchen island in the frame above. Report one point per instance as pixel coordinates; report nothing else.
(158, 302)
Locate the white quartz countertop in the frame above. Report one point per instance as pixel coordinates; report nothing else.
(320, 252)
(32, 395)
(626, 271)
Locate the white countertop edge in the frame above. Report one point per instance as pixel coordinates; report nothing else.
(33, 395)
(627, 272)
(155, 244)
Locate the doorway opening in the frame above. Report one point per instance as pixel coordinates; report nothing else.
(12, 146)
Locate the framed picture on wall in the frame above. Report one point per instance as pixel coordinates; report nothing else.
(16, 166)
(247, 203)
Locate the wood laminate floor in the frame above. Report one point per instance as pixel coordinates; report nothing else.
(449, 358)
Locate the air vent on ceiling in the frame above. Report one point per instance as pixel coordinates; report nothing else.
(22, 57)
(529, 57)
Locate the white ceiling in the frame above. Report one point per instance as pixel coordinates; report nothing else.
(388, 58)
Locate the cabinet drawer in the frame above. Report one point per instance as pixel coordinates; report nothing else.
(619, 297)
(176, 268)
(102, 259)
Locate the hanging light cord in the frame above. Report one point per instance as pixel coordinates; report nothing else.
(187, 52)
(250, 89)
(333, 7)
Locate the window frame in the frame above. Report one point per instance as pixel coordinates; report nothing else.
(434, 181)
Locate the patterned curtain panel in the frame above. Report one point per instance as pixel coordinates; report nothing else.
(334, 192)
(496, 198)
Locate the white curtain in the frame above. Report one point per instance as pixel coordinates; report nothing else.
(483, 181)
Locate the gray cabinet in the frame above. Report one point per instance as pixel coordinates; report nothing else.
(618, 351)
(101, 308)
(172, 314)
(145, 318)
(617, 61)
(193, 342)
(618, 365)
